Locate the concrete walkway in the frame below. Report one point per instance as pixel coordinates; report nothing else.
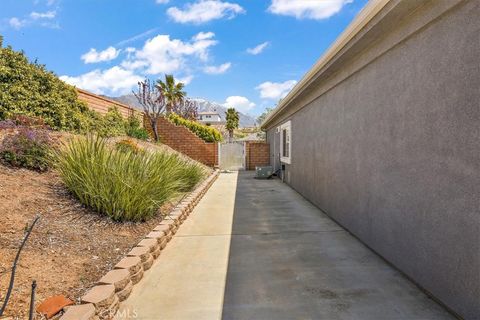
(255, 249)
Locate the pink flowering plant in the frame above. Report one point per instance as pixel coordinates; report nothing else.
(25, 147)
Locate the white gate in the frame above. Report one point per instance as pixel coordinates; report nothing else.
(232, 155)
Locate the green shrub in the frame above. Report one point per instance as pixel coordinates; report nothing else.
(28, 88)
(27, 148)
(134, 129)
(206, 133)
(138, 133)
(111, 124)
(124, 185)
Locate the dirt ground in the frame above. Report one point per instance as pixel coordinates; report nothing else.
(70, 247)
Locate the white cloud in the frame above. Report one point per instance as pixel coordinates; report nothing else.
(16, 23)
(185, 80)
(164, 55)
(310, 9)
(115, 80)
(217, 69)
(258, 49)
(240, 103)
(43, 15)
(43, 19)
(160, 54)
(203, 36)
(93, 56)
(204, 10)
(275, 90)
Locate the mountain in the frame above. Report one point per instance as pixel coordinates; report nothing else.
(203, 105)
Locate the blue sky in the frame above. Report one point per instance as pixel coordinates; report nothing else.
(247, 54)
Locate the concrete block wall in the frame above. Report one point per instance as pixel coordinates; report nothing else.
(257, 154)
(183, 140)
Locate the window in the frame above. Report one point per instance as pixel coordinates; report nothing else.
(285, 142)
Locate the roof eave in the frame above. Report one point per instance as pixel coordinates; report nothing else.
(372, 8)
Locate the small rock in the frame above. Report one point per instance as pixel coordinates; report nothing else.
(53, 305)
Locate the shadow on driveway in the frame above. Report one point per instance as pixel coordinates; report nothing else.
(288, 260)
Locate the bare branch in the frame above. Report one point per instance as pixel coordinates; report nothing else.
(187, 109)
(151, 98)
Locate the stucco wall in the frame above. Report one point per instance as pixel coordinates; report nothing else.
(392, 150)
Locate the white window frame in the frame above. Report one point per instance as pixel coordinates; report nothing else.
(286, 127)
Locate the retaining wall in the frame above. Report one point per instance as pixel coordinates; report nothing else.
(183, 140)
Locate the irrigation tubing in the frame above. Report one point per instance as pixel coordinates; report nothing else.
(14, 267)
(32, 300)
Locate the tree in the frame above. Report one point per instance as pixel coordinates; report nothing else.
(153, 101)
(186, 109)
(263, 116)
(233, 119)
(29, 89)
(173, 92)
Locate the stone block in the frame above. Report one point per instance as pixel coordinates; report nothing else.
(151, 244)
(123, 294)
(163, 243)
(132, 264)
(119, 278)
(101, 296)
(156, 253)
(137, 276)
(142, 252)
(79, 312)
(148, 264)
(109, 312)
(157, 235)
(162, 228)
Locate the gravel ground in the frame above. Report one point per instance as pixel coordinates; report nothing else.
(70, 247)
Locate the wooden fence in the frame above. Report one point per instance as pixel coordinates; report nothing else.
(102, 104)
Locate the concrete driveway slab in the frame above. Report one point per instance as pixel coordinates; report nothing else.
(255, 249)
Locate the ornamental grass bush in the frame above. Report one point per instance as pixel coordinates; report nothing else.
(124, 185)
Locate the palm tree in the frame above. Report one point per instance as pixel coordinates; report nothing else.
(173, 92)
(232, 118)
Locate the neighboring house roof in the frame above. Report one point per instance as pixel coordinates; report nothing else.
(372, 8)
(208, 113)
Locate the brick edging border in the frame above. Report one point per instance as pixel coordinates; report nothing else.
(102, 301)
